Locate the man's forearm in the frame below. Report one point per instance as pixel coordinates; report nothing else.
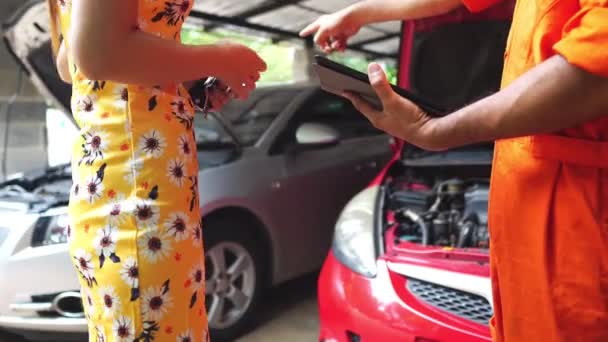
(373, 11)
(550, 97)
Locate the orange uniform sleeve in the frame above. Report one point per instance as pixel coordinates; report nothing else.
(584, 40)
(479, 5)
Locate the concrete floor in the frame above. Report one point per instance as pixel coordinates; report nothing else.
(287, 313)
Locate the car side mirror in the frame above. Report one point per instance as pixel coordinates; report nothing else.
(316, 135)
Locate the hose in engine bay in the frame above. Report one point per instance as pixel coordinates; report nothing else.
(424, 228)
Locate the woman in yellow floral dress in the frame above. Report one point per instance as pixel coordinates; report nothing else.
(135, 232)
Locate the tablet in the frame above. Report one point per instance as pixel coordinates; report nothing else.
(337, 78)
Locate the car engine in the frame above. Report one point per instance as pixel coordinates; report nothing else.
(451, 213)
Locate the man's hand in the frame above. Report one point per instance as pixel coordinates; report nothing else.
(400, 118)
(332, 31)
(550, 97)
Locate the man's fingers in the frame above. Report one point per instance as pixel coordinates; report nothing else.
(365, 108)
(308, 30)
(322, 39)
(378, 79)
(339, 44)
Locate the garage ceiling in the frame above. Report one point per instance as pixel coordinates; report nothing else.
(283, 19)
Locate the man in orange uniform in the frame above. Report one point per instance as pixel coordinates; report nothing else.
(549, 191)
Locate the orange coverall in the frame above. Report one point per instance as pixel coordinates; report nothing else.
(549, 193)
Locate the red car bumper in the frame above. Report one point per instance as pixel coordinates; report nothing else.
(354, 308)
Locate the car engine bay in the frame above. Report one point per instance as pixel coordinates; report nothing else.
(441, 204)
(453, 213)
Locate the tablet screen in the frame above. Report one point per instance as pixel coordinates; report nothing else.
(337, 78)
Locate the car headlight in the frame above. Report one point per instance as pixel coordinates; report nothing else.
(51, 229)
(354, 243)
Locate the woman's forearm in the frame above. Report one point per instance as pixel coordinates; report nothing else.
(553, 96)
(121, 53)
(140, 58)
(373, 11)
(62, 64)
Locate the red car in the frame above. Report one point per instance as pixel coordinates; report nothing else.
(409, 260)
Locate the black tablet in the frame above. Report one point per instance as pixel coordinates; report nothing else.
(337, 78)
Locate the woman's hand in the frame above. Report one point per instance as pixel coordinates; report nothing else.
(241, 68)
(401, 118)
(332, 31)
(219, 96)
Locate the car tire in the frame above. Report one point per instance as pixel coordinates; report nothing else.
(230, 313)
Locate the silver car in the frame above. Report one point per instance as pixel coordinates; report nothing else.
(275, 172)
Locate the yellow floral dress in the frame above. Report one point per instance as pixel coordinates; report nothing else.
(135, 231)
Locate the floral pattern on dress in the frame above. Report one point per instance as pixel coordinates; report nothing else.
(135, 232)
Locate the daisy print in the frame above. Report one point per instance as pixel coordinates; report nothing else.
(156, 301)
(197, 277)
(84, 264)
(85, 104)
(146, 213)
(89, 303)
(123, 329)
(185, 146)
(94, 146)
(177, 226)
(182, 112)
(121, 97)
(176, 171)
(101, 335)
(110, 301)
(97, 85)
(129, 272)
(118, 210)
(150, 330)
(154, 245)
(63, 5)
(197, 234)
(195, 282)
(175, 11)
(93, 189)
(152, 144)
(186, 336)
(76, 193)
(105, 244)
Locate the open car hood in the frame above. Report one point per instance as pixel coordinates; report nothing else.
(26, 35)
(451, 61)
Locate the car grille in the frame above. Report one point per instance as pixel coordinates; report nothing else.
(469, 306)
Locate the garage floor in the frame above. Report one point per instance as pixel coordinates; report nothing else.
(288, 313)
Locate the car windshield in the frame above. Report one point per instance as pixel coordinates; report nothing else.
(249, 119)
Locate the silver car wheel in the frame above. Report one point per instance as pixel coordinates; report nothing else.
(230, 283)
